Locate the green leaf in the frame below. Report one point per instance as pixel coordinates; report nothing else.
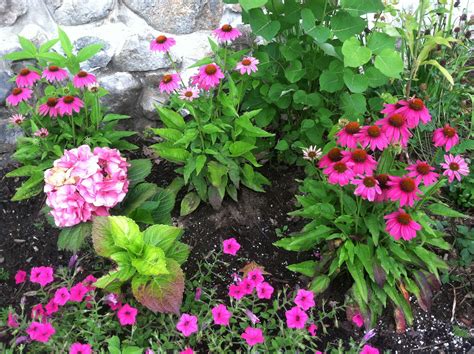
(137, 196)
(110, 117)
(375, 77)
(200, 162)
(345, 26)
(262, 24)
(378, 41)
(88, 52)
(295, 71)
(319, 33)
(320, 284)
(389, 63)
(46, 46)
(216, 172)
(357, 83)
(151, 262)
(189, 203)
(331, 81)
(126, 234)
(170, 152)
(171, 118)
(65, 42)
(355, 55)
(27, 45)
(28, 170)
(311, 100)
(307, 268)
(373, 224)
(305, 240)
(444, 210)
(358, 7)
(162, 236)
(102, 238)
(72, 238)
(353, 104)
(31, 187)
(251, 130)
(252, 4)
(357, 273)
(138, 171)
(442, 69)
(240, 148)
(21, 55)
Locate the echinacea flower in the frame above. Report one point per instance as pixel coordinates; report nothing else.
(346, 137)
(414, 110)
(334, 155)
(78, 292)
(358, 320)
(49, 108)
(446, 136)
(54, 73)
(226, 33)
(162, 44)
(230, 246)
(187, 324)
(61, 296)
(17, 119)
(221, 315)
(255, 276)
(340, 173)
(94, 88)
(51, 307)
(373, 137)
(383, 179)
(253, 336)
(188, 93)
(264, 290)
(209, 76)
(236, 291)
(312, 328)
(455, 167)
(403, 189)
(20, 277)
(127, 315)
(41, 133)
(79, 348)
(296, 318)
(422, 172)
(367, 349)
(311, 153)
(400, 224)
(395, 128)
(18, 95)
(69, 104)
(169, 83)
(362, 162)
(367, 187)
(390, 108)
(247, 65)
(42, 275)
(305, 299)
(83, 79)
(12, 320)
(27, 78)
(40, 332)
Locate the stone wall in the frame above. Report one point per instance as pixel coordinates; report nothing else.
(125, 66)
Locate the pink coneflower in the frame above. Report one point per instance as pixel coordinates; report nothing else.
(455, 167)
(334, 155)
(187, 325)
(17, 119)
(83, 79)
(226, 33)
(41, 133)
(169, 83)
(414, 110)
(372, 136)
(395, 128)
(367, 187)
(422, 172)
(208, 77)
(363, 163)
(54, 73)
(346, 137)
(296, 318)
(188, 93)
(27, 78)
(403, 189)
(162, 44)
(384, 187)
(339, 173)
(390, 108)
(247, 66)
(69, 104)
(19, 94)
(49, 108)
(399, 224)
(446, 136)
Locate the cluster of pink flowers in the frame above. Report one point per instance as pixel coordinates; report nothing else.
(83, 183)
(358, 167)
(296, 317)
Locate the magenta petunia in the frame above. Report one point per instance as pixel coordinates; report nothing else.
(236, 291)
(358, 320)
(27, 78)
(187, 324)
(404, 190)
(79, 348)
(40, 332)
(230, 246)
(414, 110)
(253, 336)
(42, 275)
(226, 33)
(61, 296)
(361, 161)
(209, 76)
(340, 173)
(446, 136)
(188, 93)
(83, 79)
(78, 292)
(51, 307)
(252, 317)
(54, 73)
(255, 276)
(264, 290)
(346, 137)
(373, 137)
(69, 104)
(12, 320)
(221, 315)
(247, 65)
(169, 83)
(400, 224)
(162, 43)
(37, 312)
(20, 277)
(422, 172)
(305, 299)
(187, 350)
(312, 328)
(49, 107)
(127, 315)
(18, 95)
(296, 318)
(395, 128)
(454, 167)
(334, 155)
(247, 286)
(367, 187)
(367, 349)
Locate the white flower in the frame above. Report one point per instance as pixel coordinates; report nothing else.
(312, 153)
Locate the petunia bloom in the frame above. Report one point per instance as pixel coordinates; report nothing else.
(51, 307)
(78, 292)
(305, 299)
(40, 332)
(226, 33)
(79, 348)
(187, 324)
(255, 276)
(404, 190)
(296, 318)
(253, 336)
(264, 290)
(127, 315)
(54, 73)
(18, 95)
(422, 172)
(236, 291)
(27, 78)
(42, 275)
(221, 315)
(187, 350)
(162, 43)
(454, 167)
(230, 246)
(446, 136)
(12, 320)
(367, 349)
(312, 328)
(61, 296)
(247, 65)
(83, 79)
(169, 83)
(400, 224)
(20, 277)
(346, 137)
(358, 320)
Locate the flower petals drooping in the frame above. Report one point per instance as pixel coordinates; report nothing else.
(162, 44)
(226, 33)
(361, 162)
(403, 189)
(454, 167)
(367, 187)
(27, 78)
(340, 173)
(400, 224)
(83, 79)
(395, 128)
(69, 104)
(346, 137)
(169, 83)
(209, 76)
(54, 73)
(414, 110)
(422, 172)
(247, 65)
(372, 136)
(446, 136)
(18, 95)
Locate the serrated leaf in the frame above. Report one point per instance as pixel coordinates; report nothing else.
(102, 238)
(72, 238)
(151, 262)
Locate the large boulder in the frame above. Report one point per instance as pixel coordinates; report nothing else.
(73, 12)
(8, 135)
(123, 89)
(102, 58)
(11, 10)
(149, 98)
(5, 86)
(178, 16)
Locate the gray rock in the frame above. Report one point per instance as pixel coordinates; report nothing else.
(11, 10)
(102, 58)
(123, 89)
(5, 86)
(148, 99)
(136, 55)
(73, 12)
(34, 33)
(178, 16)
(8, 136)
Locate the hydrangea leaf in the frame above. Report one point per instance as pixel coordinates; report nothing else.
(152, 261)
(126, 234)
(179, 252)
(72, 238)
(102, 238)
(162, 236)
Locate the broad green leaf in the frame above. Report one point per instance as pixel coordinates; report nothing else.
(28, 170)
(200, 162)
(138, 195)
(389, 63)
(353, 104)
(88, 52)
(375, 77)
(46, 46)
(295, 71)
(27, 45)
(169, 134)
(306, 268)
(110, 282)
(320, 284)
(357, 272)
(355, 55)
(263, 25)
(252, 4)
(373, 224)
(319, 33)
(72, 238)
(444, 210)
(251, 130)
(170, 152)
(151, 262)
(312, 99)
(65, 42)
(305, 240)
(162, 236)
(110, 117)
(362, 7)
(102, 238)
(379, 41)
(126, 234)
(171, 118)
(239, 148)
(31, 187)
(345, 26)
(356, 83)
(138, 170)
(189, 203)
(331, 81)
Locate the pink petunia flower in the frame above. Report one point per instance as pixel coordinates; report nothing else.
(78, 292)
(89, 281)
(305, 299)
(61, 296)
(69, 104)
(296, 318)
(51, 307)
(367, 349)
(414, 110)
(42, 275)
(334, 155)
(221, 315)
(127, 315)
(372, 136)
(226, 33)
(236, 291)
(169, 83)
(18, 95)
(358, 320)
(422, 172)
(346, 137)
(446, 136)
(188, 93)
(187, 324)
(41, 133)
(197, 294)
(312, 328)
(400, 224)
(49, 107)
(38, 312)
(247, 66)
(209, 76)
(20, 277)
(395, 128)
(247, 286)
(340, 173)
(79, 348)
(253, 336)
(54, 73)
(187, 350)
(162, 44)
(83, 79)
(40, 332)
(403, 189)
(255, 276)
(367, 187)
(27, 78)
(455, 167)
(362, 162)
(252, 317)
(113, 301)
(230, 246)
(264, 290)
(12, 320)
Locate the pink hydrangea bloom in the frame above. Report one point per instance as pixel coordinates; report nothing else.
(296, 318)
(305, 299)
(83, 79)
(49, 107)
(169, 83)
(404, 190)
(400, 224)
(230, 246)
(12, 321)
(209, 76)
(312, 328)
(347, 137)
(454, 167)
(247, 66)
(162, 44)
(54, 73)
(27, 78)
(79, 348)
(414, 110)
(358, 320)
(127, 315)
(340, 173)
(61, 296)
(236, 291)
(253, 336)
(78, 292)
(264, 290)
(18, 95)
(422, 172)
(446, 136)
(51, 307)
(367, 187)
(20, 277)
(226, 33)
(187, 324)
(40, 332)
(367, 349)
(42, 275)
(221, 315)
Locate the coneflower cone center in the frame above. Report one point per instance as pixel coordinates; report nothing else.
(416, 104)
(81, 74)
(53, 68)
(51, 102)
(374, 131)
(404, 218)
(167, 79)
(449, 132)
(226, 28)
(359, 155)
(369, 181)
(407, 185)
(16, 91)
(396, 120)
(423, 168)
(453, 166)
(210, 69)
(382, 179)
(352, 128)
(24, 72)
(340, 167)
(246, 62)
(335, 155)
(68, 99)
(188, 94)
(161, 39)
